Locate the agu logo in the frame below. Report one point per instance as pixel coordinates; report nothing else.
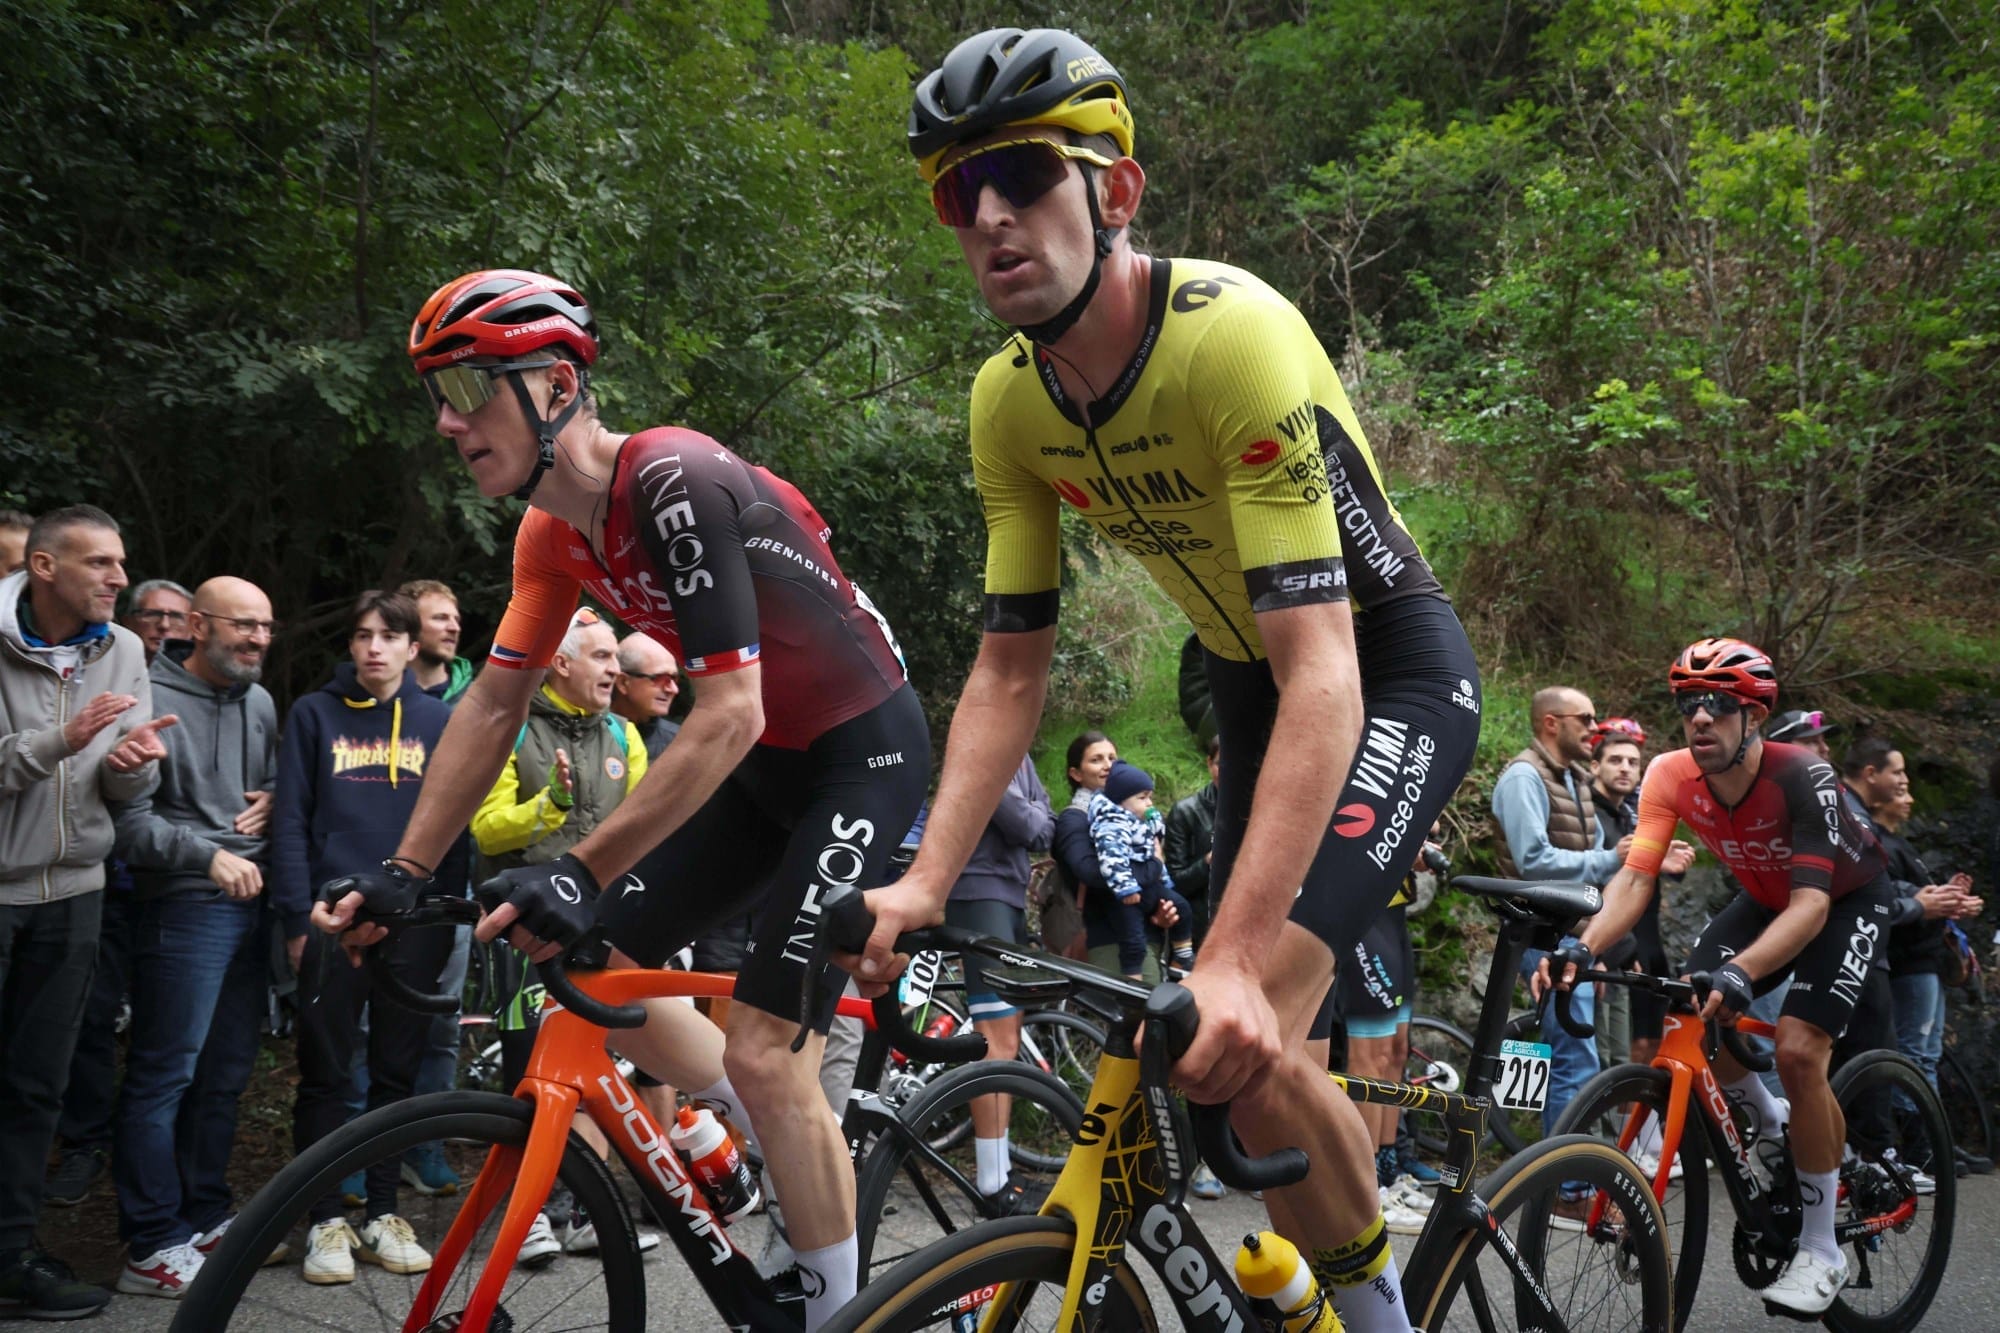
(1354, 821)
(1260, 453)
(1073, 493)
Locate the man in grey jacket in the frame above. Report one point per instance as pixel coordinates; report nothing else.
(197, 852)
(76, 731)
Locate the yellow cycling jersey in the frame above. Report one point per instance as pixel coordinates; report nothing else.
(1225, 457)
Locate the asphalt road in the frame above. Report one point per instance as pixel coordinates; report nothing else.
(283, 1302)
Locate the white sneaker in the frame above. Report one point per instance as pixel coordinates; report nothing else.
(1808, 1284)
(206, 1242)
(390, 1242)
(169, 1272)
(541, 1247)
(330, 1252)
(1406, 1190)
(1397, 1219)
(579, 1234)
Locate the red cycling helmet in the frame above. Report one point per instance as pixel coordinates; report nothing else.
(504, 314)
(1617, 728)
(1727, 666)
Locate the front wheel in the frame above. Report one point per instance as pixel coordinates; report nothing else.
(1606, 1271)
(1020, 1264)
(1601, 1109)
(603, 1289)
(1898, 1195)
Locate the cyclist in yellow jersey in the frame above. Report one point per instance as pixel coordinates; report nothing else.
(1187, 411)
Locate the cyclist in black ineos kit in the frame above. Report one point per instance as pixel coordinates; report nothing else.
(803, 760)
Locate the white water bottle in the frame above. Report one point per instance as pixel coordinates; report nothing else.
(703, 1144)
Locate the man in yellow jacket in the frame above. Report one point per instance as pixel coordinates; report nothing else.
(574, 762)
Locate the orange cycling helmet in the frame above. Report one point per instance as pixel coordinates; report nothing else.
(1617, 728)
(503, 314)
(1728, 666)
(495, 320)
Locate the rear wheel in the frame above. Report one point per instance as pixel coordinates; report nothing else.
(1964, 1106)
(910, 1192)
(1898, 1194)
(1441, 1057)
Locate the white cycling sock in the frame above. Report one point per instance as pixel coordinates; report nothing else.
(1817, 1191)
(1770, 1115)
(1374, 1306)
(828, 1277)
(721, 1098)
(992, 1162)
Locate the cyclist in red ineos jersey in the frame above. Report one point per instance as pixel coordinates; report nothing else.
(803, 760)
(1814, 907)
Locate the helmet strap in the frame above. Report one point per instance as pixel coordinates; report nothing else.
(1050, 330)
(546, 431)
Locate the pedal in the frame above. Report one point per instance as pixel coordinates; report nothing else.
(1777, 1311)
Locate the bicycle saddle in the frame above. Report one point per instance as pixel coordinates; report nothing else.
(1555, 901)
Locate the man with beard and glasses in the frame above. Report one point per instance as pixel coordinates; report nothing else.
(197, 849)
(157, 612)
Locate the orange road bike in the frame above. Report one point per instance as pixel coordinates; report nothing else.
(517, 1148)
(1898, 1190)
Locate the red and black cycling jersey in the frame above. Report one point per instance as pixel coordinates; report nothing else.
(724, 564)
(1790, 831)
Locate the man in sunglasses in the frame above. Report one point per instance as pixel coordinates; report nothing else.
(1186, 410)
(1805, 728)
(1814, 906)
(803, 759)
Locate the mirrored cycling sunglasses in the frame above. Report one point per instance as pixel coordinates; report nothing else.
(469, 388)
(1717, 704)
(1023, 170)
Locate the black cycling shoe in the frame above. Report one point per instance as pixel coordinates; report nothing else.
(34, 1285)
(1972, 1162)
(1012, 1200)
(76, 1170)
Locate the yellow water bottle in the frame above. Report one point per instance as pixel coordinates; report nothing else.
(1281, 1287)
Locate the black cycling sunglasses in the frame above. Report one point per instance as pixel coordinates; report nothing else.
(1717, 704)
(1023, 170)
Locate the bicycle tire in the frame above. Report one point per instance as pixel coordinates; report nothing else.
(1922, 1138)
(928, 1289)
(1599, 1111)
(1965, 1106)
(459, 1119)
(1066, 1046)
(1441, 1054)
(936, 1194)
(1629, 1249)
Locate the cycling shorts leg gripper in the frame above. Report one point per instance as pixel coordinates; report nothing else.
(1360, 1260)
(865, 780)
(1421, 702)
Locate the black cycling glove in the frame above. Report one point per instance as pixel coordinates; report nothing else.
(1735, 987)
(390, 891)
(1570, 951)
(557, 901)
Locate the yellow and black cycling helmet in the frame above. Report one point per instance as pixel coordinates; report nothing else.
(1007, 76)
